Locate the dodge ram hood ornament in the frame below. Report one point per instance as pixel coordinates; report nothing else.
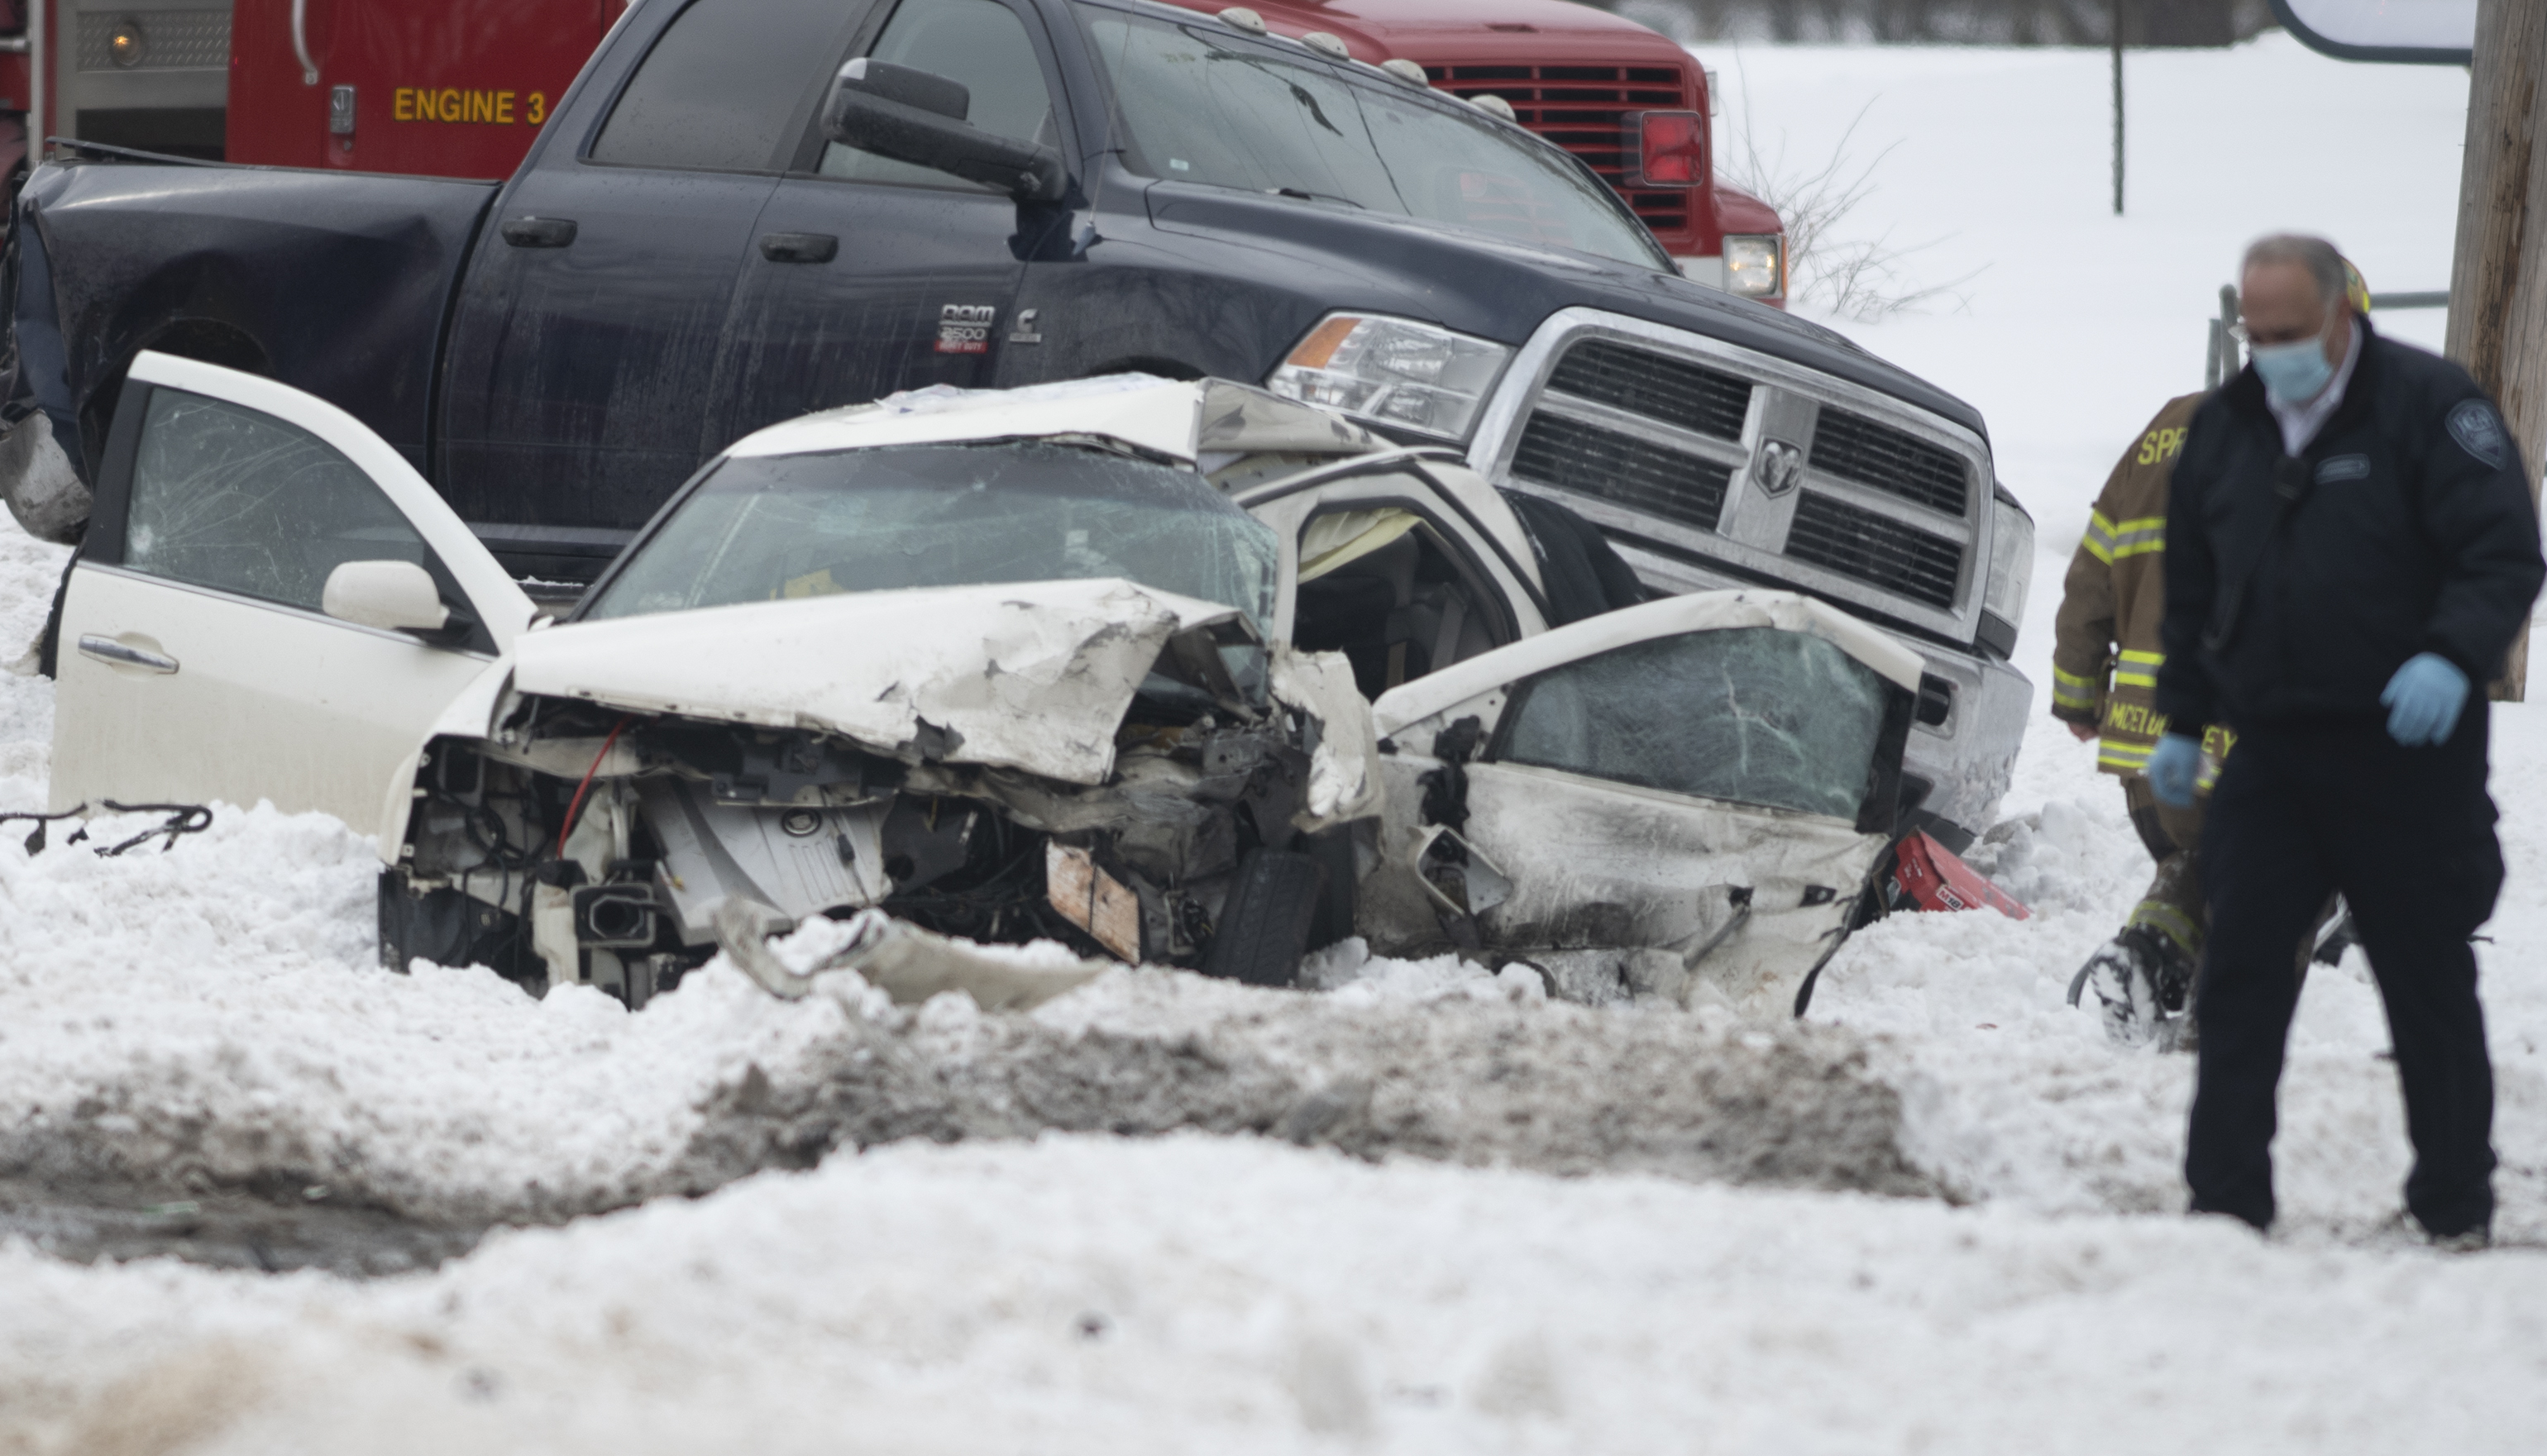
(1777, 468)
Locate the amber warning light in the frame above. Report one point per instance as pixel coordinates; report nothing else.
(1669, 148)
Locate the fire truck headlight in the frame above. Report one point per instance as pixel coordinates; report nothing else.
(1755, 265)
(1393, 371)
(124, 44)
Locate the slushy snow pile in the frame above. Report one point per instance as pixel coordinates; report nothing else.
(1083, 1292)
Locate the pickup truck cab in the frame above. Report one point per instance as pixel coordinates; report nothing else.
(745, 210)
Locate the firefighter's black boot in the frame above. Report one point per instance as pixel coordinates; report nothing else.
(2144, 984)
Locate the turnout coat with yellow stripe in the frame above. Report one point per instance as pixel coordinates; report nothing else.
(2105, 654)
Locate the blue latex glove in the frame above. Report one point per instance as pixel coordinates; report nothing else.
(2423, 700)
(2173, 768)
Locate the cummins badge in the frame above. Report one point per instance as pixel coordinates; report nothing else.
(965, 328)
(1779, 468)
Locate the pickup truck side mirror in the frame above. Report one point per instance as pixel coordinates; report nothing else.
(913, 116)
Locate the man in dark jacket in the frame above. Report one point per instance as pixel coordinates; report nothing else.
(2351, 548)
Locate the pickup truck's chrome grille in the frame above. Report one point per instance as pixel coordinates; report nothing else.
(1891, 460)
(1742, 465)
(1876, 550)
(1636, 473)
(1675, 392)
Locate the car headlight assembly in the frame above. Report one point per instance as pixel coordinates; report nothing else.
(1393, 371)
(1755, 264)
(2012, 572)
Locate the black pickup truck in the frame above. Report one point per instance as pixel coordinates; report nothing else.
(746, 209)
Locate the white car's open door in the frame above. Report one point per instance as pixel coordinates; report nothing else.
(1681, 794)
(198, 659)
(1403, 562)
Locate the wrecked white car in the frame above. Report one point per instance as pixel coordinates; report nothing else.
(1093, 662)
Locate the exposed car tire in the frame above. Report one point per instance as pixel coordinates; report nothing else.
(1267, 921)
(39, 484)
(448, 928)
(1332, 849)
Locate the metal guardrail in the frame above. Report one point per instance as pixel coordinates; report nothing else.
(2221, 361)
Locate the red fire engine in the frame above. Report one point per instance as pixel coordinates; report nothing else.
(458, 87)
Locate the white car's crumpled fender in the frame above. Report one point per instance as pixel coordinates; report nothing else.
(1033, 676)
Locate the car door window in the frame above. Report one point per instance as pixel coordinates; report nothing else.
(725, 89)
(1748, 715)
(1378, 582)
(981, 44)
(234, 499)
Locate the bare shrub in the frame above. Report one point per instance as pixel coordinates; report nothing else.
(1852, 277)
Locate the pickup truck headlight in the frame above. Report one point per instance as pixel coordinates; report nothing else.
(1393, 371)
(2011, 573)
(1755, 265)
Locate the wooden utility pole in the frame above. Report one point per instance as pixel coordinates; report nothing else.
(2498, 328)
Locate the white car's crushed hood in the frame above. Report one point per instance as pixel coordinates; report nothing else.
(1033, 676)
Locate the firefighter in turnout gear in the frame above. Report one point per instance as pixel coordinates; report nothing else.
(2105, 659)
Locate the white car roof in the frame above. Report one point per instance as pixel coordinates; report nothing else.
(1182, 420)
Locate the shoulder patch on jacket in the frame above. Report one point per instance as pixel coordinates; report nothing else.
(2478, 431)
(2343, 468)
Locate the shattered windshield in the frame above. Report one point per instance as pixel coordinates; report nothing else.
(1750, 714)
(766, 529)
(1197, 103)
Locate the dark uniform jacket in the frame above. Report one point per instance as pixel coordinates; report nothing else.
(2296, 587)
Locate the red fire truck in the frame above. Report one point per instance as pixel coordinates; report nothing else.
(457, 88)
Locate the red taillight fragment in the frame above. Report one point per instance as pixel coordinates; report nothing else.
(1927, 875)
(1668, 148)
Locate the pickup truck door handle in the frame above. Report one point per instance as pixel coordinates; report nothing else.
(538, 232)
(108, 649)
(799, 247)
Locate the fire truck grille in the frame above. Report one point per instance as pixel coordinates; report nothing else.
(1582, 108)
(1876, 550)
(159, 41)
(1657, 385)
(1891, 460)
(1623, 470)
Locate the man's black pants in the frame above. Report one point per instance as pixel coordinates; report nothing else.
(2407, 834)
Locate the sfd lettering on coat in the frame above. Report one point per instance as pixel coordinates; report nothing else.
(2158, 445)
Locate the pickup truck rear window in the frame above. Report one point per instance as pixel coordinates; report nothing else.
(1198, 103)
(725, 86)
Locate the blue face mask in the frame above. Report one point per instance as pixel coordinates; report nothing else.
(2292, 373)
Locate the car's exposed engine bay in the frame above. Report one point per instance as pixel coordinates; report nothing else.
(585, 844)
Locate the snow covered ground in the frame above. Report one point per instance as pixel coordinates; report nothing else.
(214, 1006)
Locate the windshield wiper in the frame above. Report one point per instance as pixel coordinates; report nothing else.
(1307, 195)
